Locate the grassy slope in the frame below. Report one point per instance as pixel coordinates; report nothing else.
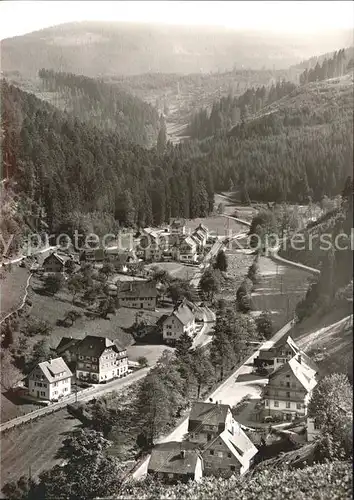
(34, 446)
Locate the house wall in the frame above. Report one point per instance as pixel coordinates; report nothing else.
(41, 388)
(198, 470)
(138, 302)
(285, 395)
(60, 388)
(110, 365)
(52, 265)
(218, 460)
(172, 329)
(312, 431)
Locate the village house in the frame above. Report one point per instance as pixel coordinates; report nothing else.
(279, 354)
(55, 263)
(100, 359)
(187, 250)
(67, 349)
(289, 388)
(177, 227)
(50, 380)
(200, 235)
(180, 321)
(137, 294)
(175, 462)
(224, 446)
(153, 244)
(121, 258)
(93, 255)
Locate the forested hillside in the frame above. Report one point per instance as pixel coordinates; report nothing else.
(300, 146)
(229, 111)
(105, 106)
(71, 167)
(113, 48)
(332, 67)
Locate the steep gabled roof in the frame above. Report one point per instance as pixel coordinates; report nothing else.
(203, 228)
(66, 343)
(137, 289)
(237, 443)
(302, 370)
(167, 458)
(52, 368)
(183, 313)
(61, 258)
(189, 241)
(208, 413)
(95, 346)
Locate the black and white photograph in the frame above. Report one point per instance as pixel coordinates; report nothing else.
(176, 250)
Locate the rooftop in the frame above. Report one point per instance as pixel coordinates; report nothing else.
(94, 346)
(55, 369)
(208, 413)
(183, 313)
(138, 289)
(174, 457)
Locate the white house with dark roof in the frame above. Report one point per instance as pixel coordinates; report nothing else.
(180, 321)
(50, 380)
(279, 354)
(100, 359)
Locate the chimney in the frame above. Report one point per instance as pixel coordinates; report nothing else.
(299, 358)
(183, 454)
(216, 402)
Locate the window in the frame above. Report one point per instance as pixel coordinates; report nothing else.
(298, 406)
(42, 393)
(276, 404)
(288, 376)
(288, 384)
(211, 452)
(208, 437)
(266, 402)
(288, 394)
(232, 468)
(288, 404)
(229, 455)
(220, 454)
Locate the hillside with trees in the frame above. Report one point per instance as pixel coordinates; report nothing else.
(298, 147)
(106, 106)
(69, 167)
(111, 48)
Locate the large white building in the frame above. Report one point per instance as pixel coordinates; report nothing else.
(289, 388)
(100, 359)
(50, 380)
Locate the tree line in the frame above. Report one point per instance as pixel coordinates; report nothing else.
(330, 67)
(105, 105)
(70, 168)
(229, 111)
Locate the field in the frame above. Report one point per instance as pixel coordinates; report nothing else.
(12, 287)
(278, 290)
(176, 269)
(33, 447)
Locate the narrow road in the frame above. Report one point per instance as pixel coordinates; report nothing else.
(228, 393)
(85, 395)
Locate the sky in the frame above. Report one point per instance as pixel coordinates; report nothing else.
(18, 17)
